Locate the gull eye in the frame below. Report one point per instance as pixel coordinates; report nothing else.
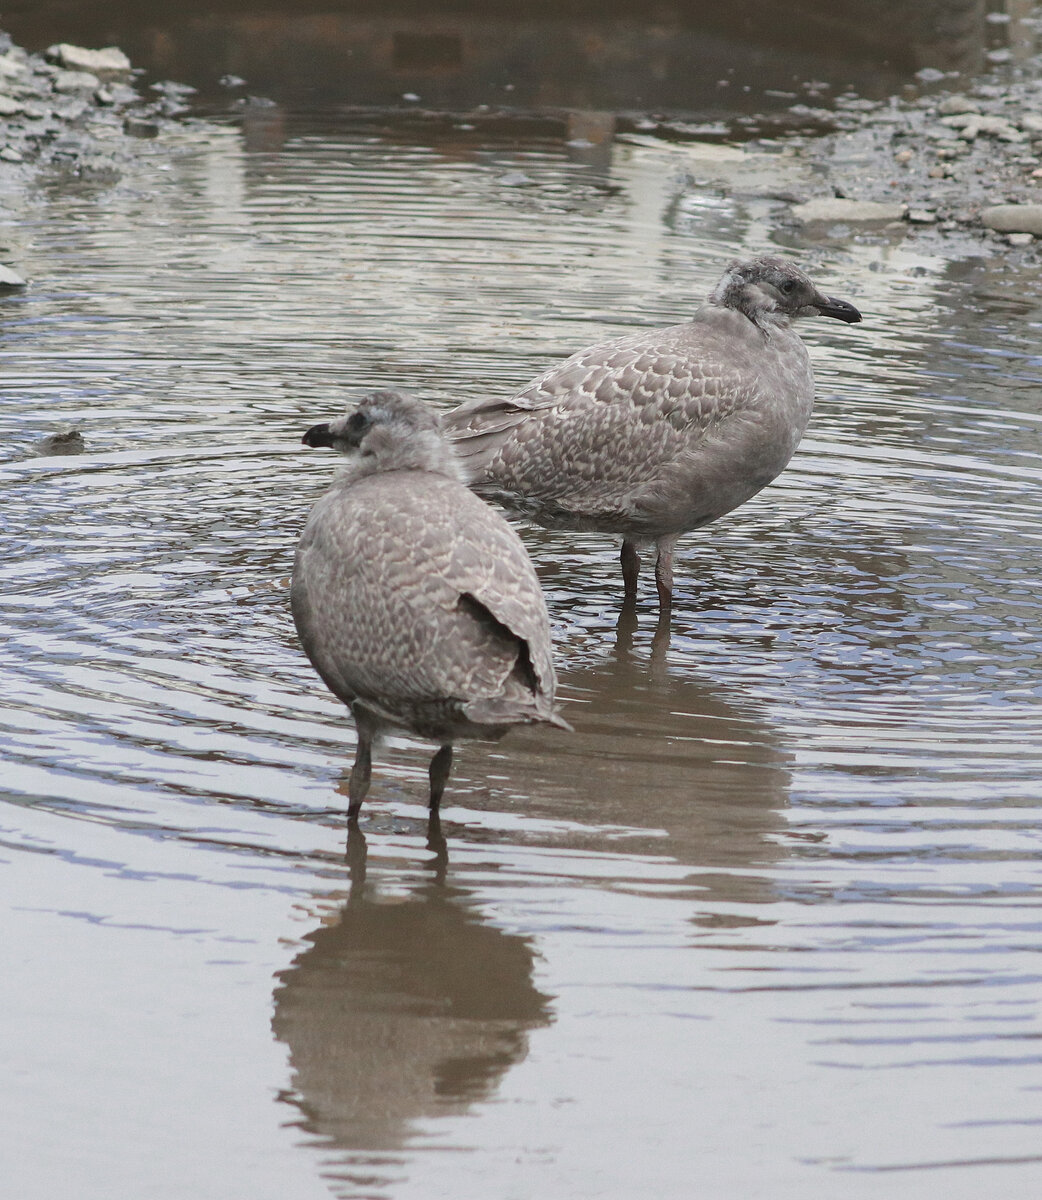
(358, 422)
(788, 287)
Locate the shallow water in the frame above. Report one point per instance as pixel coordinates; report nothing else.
(766, 924)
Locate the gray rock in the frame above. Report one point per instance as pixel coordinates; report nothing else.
(12, 66)
(10, 154)
(962, 118)
(64, 441)
(1020, 239)
(832, 208)
(139, 128)
(172, 89)
(1013, 218)
(75, 81)
(972, 124)
(957, 104)
(10, 279)
(109, 61)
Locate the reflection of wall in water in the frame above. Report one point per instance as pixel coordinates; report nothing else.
(610, 55)
(457, 63)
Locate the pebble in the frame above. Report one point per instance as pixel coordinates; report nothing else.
(109, 61)
(957, 104)
(1013, 218)
(74, 81)
(12, 66)
(833, 208)
(1020, 239)
(10, 279)
(64, 441)
(139, 128)
(970, 125)
(9, 107)
(9, 154)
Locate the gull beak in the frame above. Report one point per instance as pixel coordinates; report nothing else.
(829, 306)
(318, 435)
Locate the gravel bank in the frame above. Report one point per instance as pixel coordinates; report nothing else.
(962, 160)
(76, 108)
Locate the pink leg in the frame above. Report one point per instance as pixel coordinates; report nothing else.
(441, 765)
(630, 567)
(664, 571)
(361, 773)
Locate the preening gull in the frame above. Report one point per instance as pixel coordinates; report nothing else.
(417, 603)
(653, 435)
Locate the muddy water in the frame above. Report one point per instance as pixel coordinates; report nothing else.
(767, 924)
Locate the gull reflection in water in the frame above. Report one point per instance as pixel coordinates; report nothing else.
(403, 1008)
(661, 762)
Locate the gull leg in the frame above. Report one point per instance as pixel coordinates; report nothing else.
(441, 765)
(436, 842)
(664, 571)
(626, 627)
(361, 772)
(355, 856)
(630, 567)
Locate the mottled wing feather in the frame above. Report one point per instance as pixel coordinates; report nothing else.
(597, 428)
(615, 436)
(380, 572)
(491, 564)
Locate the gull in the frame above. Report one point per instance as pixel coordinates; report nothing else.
(415, 601)
(653, 435)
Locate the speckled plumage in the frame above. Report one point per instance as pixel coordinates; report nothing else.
(658, 433)
(417, 603)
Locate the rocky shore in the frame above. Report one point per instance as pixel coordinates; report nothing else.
(967, 160)
(75, 110)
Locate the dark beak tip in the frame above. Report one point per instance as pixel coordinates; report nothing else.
(840, 310)
(316, 436)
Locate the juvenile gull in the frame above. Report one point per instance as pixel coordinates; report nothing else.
(653, 435)
(416, 602)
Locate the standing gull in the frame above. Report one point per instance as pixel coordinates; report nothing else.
(653, 435)
(416, 602)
